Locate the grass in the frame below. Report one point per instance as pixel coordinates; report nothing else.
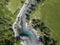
(49, 13)
(51, 16)
(14, 5)
(6, 21)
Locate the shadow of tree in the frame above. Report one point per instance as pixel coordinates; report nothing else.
(6, 42)
(47, 39)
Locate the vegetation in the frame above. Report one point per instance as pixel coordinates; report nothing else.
(51, 15)
(46, 37)
(47, 11)
(15, 4)
(6, 21)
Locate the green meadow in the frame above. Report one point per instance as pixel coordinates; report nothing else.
(51, 16)
(47, 11)
(13, 5)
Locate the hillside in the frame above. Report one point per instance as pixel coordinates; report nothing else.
(47, 11)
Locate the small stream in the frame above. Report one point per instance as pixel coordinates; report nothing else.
(28, 35)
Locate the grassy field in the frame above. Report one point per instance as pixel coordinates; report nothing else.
(51, 16)
(14, 5)
(49, 12)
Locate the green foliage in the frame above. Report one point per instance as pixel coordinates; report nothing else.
(49, 13)
(6, 21)
(47, 39)
(51, 17)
